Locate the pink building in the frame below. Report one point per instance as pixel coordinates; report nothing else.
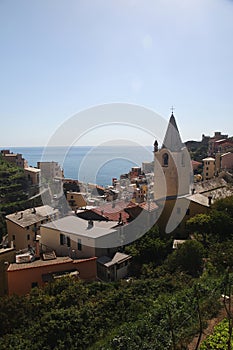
(227, 161)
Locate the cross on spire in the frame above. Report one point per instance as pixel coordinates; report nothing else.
(172, 109)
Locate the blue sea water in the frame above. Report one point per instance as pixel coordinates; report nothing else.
(89, 164)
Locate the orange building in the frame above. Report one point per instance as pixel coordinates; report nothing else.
(22, 277)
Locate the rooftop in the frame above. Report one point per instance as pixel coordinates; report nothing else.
(76, 226)
(108, 211)
(199, 198)
(6, 250)
(208, 159)
(39, 263)
(33, 170)
(31, 216)
(117, 259)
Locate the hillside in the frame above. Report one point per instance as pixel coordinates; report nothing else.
(13, 191)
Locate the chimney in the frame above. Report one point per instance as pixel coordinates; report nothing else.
(90, 224)
(209, 200)
(37, 251)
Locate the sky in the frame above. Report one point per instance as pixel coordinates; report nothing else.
(60, 58)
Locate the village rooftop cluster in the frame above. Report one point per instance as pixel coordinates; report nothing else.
(73, 231)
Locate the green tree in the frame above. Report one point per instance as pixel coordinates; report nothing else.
(200, 224)
(187, 258)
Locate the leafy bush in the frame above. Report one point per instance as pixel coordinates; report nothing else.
(218, 340)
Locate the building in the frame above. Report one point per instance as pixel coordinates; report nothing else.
(14, 158)
(172, 165)
(110, 270)
(208, 168)
(7, 256)
(214, 142)
(227, 161)
(33, 175)
(109, 211)
(213, 166)
(148, 167)
(24, 276)
(223, 146)
(78, 238)
(76, 200)
(50, 170)
(33, 178)
(173, 171)
(24, 226)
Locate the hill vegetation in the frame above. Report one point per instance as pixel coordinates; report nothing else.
(170, 296)
(13, 191)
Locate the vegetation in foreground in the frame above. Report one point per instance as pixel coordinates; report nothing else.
(169, 299)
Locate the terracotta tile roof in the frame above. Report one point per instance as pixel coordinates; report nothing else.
(195, 163)
(109, 211)
(39, 263)
(151, 206)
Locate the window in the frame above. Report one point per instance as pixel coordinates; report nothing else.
(28, 237)
(79, 244)
(188, 211)
(68, 241)
(207, 174)
(71, 197)
(207, 168)
(13, 237)
(62, 239)
(34, 284)
(27, 228)
(182, 160)
(165, 159)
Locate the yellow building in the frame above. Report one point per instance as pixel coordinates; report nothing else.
(23, 226)
(208, 168)
(76, 200)
(32, 175)
(79, 238)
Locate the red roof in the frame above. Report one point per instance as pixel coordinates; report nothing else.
(112, 210)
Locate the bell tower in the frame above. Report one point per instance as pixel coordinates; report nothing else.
(172, 166)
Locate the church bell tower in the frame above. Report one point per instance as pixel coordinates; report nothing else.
(172, 166)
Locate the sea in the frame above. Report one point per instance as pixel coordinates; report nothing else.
(90, 164)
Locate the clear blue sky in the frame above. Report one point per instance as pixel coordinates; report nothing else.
(59, 57)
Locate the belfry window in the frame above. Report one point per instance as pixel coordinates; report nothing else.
(182, 160)
(165, 159)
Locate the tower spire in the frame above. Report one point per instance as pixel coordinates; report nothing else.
(172, 140)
